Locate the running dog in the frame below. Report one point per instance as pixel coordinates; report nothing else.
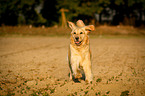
(79, 54)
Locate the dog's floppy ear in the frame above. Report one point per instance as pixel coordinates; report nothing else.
(80, 23)
(71, 25)
(89, 28)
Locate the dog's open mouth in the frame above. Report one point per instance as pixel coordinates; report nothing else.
(78, 43)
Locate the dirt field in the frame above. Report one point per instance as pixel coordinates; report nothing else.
(38, 66)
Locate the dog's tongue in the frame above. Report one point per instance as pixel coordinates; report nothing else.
(77, 42)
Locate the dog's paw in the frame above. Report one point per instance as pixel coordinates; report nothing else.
(78, 76)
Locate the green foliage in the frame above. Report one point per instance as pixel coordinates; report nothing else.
(15, 12)
(50, 12)
(124, 9)
(83, 7)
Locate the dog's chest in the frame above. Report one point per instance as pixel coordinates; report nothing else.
(79, 53)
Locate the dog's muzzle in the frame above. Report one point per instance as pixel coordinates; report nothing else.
(77, 42)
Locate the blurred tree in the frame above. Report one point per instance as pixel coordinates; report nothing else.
(9, 12)
(49, 12)
(83, 9)
(29, 12)
(13, 12)
(127, 10)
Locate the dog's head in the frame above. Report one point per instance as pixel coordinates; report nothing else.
(80, 32)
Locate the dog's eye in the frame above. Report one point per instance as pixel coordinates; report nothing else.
(81, 32)
(74, 32)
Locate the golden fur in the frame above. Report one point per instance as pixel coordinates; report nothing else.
(79, 54)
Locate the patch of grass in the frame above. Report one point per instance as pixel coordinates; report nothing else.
(107, 92)
(50, 77)
(34, 94)
(86, 92)
(65, 80)
(21, 91)
(107, 82)
(117, 80)
(25, 81)
(45, 94)
(92, 88)
(98, 93)
(99, 80)
(104, 95)
(28, 88)
(116, 77)
(125, 93)
(134, 72)
(75, 93)
(129, 80)
(120, 74)
(7, 75)
(38, 93)
(36, 83)
(88, 87)
(52, 90)
(11, 94)
(111, 79)
(41, 79)
(19, 86)
(57, 80)
(63, 84)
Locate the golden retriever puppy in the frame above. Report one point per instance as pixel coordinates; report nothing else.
(79, 54)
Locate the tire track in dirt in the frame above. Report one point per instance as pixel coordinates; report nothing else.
(36, 48)
(30, 49)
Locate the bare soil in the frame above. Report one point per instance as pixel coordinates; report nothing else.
(38, 66)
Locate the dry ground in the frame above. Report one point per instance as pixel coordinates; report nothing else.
(38, 66)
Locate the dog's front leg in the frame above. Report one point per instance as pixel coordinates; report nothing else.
(75, 66)
(88, 71)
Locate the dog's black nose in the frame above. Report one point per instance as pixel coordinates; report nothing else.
(77, 38)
